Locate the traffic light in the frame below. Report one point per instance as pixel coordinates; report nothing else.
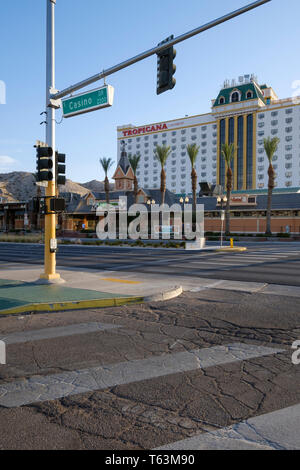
(44, 163)
(60, 168)
(165, 68)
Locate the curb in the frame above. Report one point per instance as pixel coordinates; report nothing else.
(239, 249)
(168, 295)
(98, 303)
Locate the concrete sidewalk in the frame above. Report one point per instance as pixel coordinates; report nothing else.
(20, 293)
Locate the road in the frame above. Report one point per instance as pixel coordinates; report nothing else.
(209, 370)
(274, 263)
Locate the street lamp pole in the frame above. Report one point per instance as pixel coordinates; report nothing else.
(222, 200)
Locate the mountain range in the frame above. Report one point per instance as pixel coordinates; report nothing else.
(21, 186)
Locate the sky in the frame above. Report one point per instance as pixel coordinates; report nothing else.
(93, 35)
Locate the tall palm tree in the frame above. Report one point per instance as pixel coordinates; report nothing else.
(106, 164)
(162, 153)
(134, 162)
(193, 151)
(228, 154)
(271, 146)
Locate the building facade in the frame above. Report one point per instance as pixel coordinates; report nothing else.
(243, 113)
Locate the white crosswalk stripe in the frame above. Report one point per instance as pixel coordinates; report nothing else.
(278, 430)
(52, 387)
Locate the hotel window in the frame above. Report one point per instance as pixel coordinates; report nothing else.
(146, 159)
(261, 124)
(183, 154)
(146, 145)
(288, 166)
(155, 144)
(261, 116)
(173, 155)
(288, 129)
(183, 131)
(173, 141)
(275, 167)
(261, 133)
(289, 120)
(183, 139)
(173, 185)
(203, 136)
(183, 177)
(288, 111)
(203, 159)
(214, 134)
(129, 147)
(204, 144)
(261, 150)
(194, 129)
(261, 168)
(275, 158)
(260, 177)
(274, 113)
(289, 156)
(288, 147)
(138, 139)
(194, 137)
(203, 129)
(164, 135)
(174, 133)
(203, 151)
(183, 162)
(274, 131)
(173, 162)
(146, 137)
(203, 175)
(214, 150)
(260, 142)
(215, 126)
(173, 170)
(214, 142)
(174, 147)
(214, 166)
(289, 138)
(183, 168)
(173, 177)
(249, 94)
(235, 97)
(274, 123)
(203, 167)
(164, 142)
(129, 141)
(222, 100)
(138, 146)
(261, 159)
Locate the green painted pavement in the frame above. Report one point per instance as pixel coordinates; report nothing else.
(17, 293)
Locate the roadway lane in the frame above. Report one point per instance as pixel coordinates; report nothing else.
(272, 263)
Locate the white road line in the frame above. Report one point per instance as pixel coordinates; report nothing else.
(52, 387)
(278, 430)
(56, 332)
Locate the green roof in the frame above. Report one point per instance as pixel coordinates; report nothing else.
(226, 92)
(265, 191)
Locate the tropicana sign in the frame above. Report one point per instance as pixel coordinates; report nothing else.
(145, 130)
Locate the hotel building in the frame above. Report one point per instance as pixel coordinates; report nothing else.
(243, 113)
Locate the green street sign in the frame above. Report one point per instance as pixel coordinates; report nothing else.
(89, 101)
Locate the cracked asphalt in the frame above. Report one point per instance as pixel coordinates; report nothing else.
(148, 414)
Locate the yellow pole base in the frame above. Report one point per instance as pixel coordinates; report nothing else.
(50, 277)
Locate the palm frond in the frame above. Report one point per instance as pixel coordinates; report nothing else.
(134, 161)
(106, 164)
(228, 153)
(193, 150)
(271, 146)
(162, 153)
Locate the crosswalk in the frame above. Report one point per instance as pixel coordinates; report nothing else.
(275, 430)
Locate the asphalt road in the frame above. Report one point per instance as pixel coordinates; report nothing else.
(274, 263)
(209, 370)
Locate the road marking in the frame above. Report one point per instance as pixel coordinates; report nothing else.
(122, 281)
(278, 430)
(52, 387)
(56, 332)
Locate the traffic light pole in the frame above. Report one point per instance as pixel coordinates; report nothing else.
(50, 218)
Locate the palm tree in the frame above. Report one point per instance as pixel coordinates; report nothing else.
(134, 162)
(106, 164)
(271, 146)
(228, 154)
(162, 154)
(193, 151)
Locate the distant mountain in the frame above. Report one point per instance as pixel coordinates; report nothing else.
(97, 186)
(20, 186)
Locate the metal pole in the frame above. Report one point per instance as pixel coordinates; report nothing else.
(50, 219)
(156, 50)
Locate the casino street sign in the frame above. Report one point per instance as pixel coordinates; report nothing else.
(89, 101)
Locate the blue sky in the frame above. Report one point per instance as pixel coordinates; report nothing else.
(92, 35)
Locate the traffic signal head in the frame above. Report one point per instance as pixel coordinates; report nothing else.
(166, 69)
(60, 168)
(44, 163)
